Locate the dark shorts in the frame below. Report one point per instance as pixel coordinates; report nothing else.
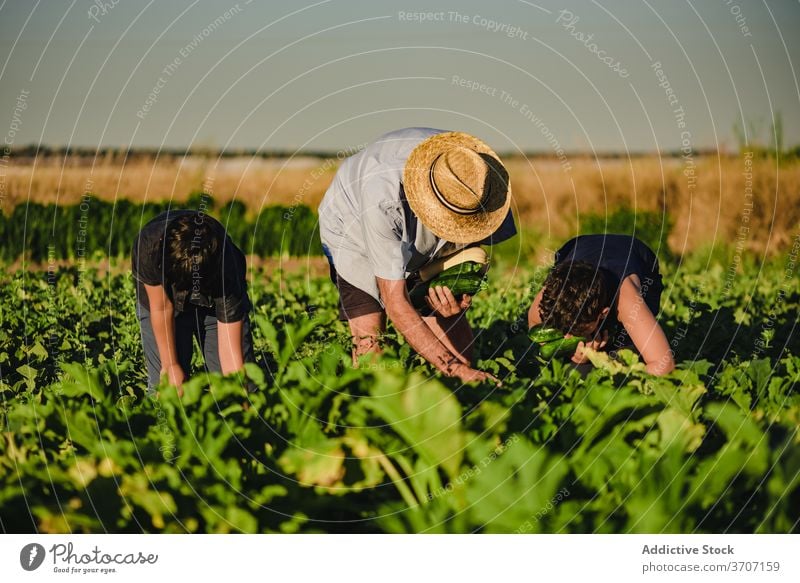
(355, 302)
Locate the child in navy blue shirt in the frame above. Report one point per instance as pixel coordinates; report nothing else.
(606, 288)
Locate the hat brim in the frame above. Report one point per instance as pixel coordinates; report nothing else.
(443, 222)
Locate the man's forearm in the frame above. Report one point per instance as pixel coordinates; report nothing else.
(421, 338)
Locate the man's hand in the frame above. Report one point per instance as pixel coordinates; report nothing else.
(175, 376)
(597, 343)
(469, 375)
(421, 338)
(443, 302)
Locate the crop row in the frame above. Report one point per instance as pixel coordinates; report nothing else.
(391, 446)
(96, 227)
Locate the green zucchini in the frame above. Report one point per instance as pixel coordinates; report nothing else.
(559, 347)
(465, 278)
(542, 334)
(551, 342)
(466, 268)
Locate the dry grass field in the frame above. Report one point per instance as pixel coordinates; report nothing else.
(742, 200)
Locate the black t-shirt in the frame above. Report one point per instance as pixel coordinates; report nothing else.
(616, 257)
(229, 294)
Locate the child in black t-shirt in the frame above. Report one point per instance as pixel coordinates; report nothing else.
(190, 282)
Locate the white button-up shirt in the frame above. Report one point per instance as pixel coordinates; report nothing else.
(367, 227)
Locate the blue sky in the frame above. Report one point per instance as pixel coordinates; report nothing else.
(335, 74)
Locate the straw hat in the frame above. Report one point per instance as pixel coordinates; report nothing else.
(457, 186)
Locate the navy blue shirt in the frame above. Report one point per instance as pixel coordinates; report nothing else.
(617, 257)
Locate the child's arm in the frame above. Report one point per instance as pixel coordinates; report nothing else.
(229, 344)
(534, 318)
(642, 327)
(163, 321)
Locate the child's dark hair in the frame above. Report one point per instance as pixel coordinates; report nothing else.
(193, 252)
(574, 294)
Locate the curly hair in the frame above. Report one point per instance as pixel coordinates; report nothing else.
(193, 249)
(574, 295)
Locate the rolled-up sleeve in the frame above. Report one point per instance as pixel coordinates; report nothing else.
(231, 303)
(230, 308)
(146, 261)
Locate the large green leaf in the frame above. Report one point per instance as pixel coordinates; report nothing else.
(514, 488)
(425, 414)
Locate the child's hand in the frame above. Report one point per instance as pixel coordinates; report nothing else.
(175, 376)
(598, 343)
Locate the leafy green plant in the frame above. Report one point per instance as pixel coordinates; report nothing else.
(392, 446)
(98, 228)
